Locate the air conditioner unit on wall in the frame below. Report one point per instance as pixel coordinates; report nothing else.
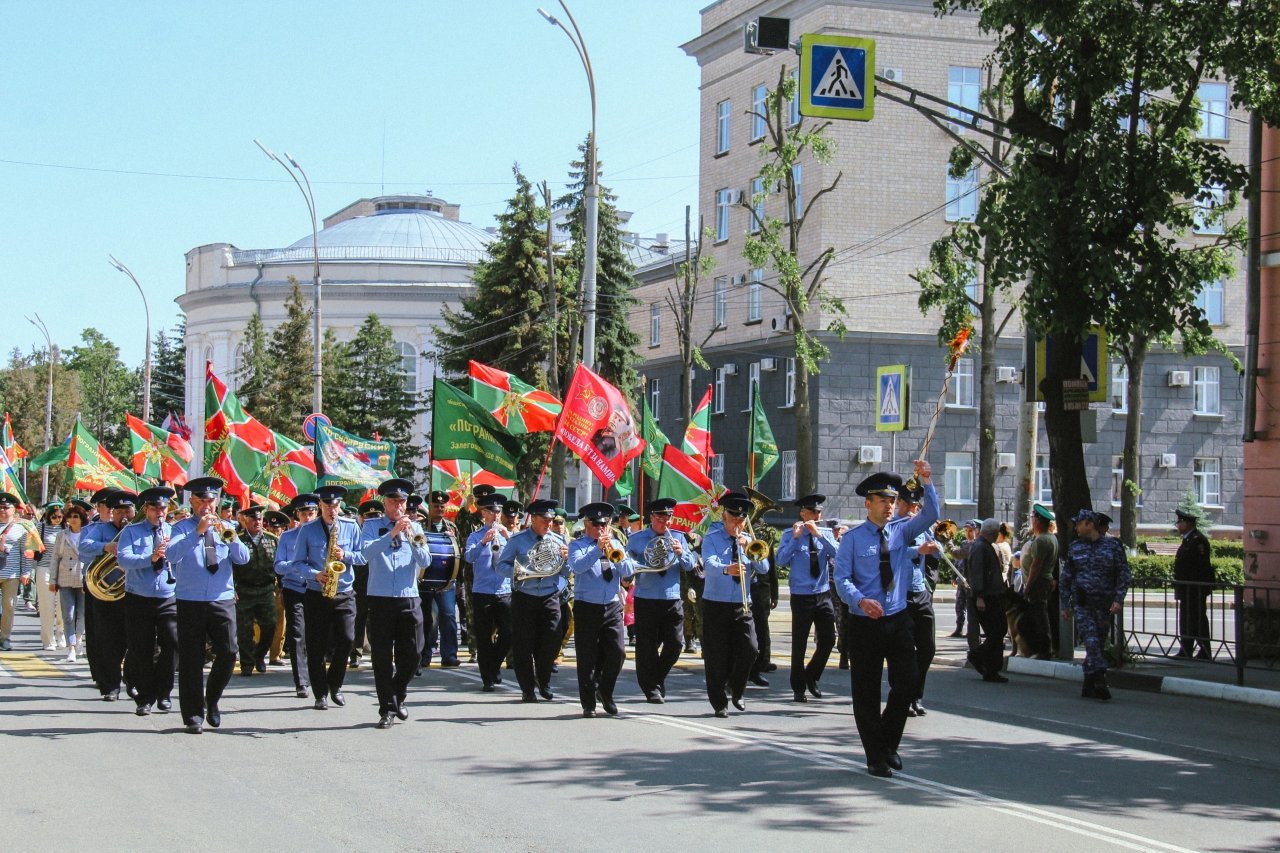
(768, 364)
(780, 324)
(892, 74)
(740, 278)
(869, 454)
(1179, 378)
(1168, 460)
(1005, 460)
(1006, 374)
(730, 369)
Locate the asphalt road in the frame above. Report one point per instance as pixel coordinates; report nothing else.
(1023, 766)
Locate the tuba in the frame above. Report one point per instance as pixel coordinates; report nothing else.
(104, 578)
(659, 554)
(543, 561)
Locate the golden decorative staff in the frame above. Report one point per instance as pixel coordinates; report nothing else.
(956, 347)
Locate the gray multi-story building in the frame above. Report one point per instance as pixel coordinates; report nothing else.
(893, 200)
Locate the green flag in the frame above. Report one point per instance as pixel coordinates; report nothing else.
(626, 483)
(461, 428)
(762, 454)
(52, 456)
(654, 441)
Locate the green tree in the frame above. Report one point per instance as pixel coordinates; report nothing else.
(1107, 170)
(254, 374)
(290, 354)
(108, 389)
(368, 394)
(24, 386)
(169, 372)
(775, 244)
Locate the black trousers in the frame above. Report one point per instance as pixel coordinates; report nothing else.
(492, 633)
(600, 640)
(659, 641)
(760, 608)
(198, 621)
(295, 637)
(923, 633)
(111, 641)
(872, 644)
(152, 623)
(811, 611)
(729, 650)
(1193, 621)
(330, 626)
(566, 618)
(395, 637)
(988, 656)
(1033, 628)
(361, 588)
(535, 638)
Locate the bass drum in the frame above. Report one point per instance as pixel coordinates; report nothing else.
(444, 565)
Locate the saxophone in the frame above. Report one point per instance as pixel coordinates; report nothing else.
(333, 566)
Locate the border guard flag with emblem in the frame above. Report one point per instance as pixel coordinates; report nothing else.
(461, 428)
(290, 471)
(697, 437)
(684, 480)
(597, 425)
(157, 454)
(90, 466)
(12, 450)
(457, 479)
(519, 407)
(236, 444)
(654, 441)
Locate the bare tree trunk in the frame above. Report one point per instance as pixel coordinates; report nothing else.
(806, 467)
(1066, 445)
(987, 408)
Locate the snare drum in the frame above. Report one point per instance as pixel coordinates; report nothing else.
(445, 561)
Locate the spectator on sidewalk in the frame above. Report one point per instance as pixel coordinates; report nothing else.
(1193, 577)
(1095, 578)
(67, 579)
(1040, 556)
(983, 571)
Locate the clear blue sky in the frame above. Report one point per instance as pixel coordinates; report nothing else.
(143, 117)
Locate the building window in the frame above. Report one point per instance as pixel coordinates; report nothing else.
(1125, 102)
(758, 107)
(722, 127)
(962, 196)
(655, 324)
(723, 202)
(1117, 481)
(789, 385)
(960, 394)
(788, 475)
(1206, 391)
(717, 469)
(1043, 484)
(1118, 387)
(1214, 110)
(721, 295)
(963, 88)
(753, 384)
(1207, 218)
(794, 118)
(717, 393)
(757, 205)
(797, 177)
(655, 397)
(1208, 476)
(755, 291)
(571, 500)
(959, 478)
(973, 287)
(1209, 300)
(408, 366)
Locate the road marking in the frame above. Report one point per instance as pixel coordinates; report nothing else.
(29, 665)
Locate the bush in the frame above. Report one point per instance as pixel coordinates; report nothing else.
(1155, 569)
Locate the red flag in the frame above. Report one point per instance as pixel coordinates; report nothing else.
(157, 454)
(684, 479)
(697, 437)
(597, 426)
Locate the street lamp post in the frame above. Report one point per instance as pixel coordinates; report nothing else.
(304, 187)
(592, 194)
(146, 365)
(52, 355)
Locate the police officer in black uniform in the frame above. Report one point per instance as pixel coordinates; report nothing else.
(1192, 575)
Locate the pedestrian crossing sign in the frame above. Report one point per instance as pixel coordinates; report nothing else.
(837, 76)
(893, 398)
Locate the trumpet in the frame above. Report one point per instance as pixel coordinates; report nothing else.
(611, 551)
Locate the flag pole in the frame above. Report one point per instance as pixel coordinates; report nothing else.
(751, 440)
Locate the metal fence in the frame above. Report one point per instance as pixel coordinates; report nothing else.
(1233, 625)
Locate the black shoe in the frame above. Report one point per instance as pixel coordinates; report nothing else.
(918, 708)
(487, 687)
(800, 697)
(610, 707)
(195, 728)
(1204, 655)
(654, 698)
(546, 694)
(338, 698)
(451, 663)
(261, 665)
(214, 716)
(738, 703)
(400, 711)
(814, 690)
(555, 667)
(527, 696)
(722, 713)
(353, 662)
(662, 690)
(956, 633)
(994, 678)
(130, 690)
(111, 696)
(769, 667)
(302, 692)
(246, 669)
(758, 681)
(143, 711)
(589, 713)
(911, 711)
(163, 705)
(1183, 653)
(1087, 688)
(895, 761)
(418, 674)
(321, 704)
(385, 721)
(879, 768)
(1100, 689)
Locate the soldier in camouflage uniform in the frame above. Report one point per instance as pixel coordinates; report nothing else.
(255, 584)
(1093, 583)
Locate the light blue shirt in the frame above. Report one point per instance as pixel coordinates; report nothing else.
(858, 560)
(717, 553)
(659, 585)
(393, 565)
(311, 552)
(290, 575)
(485, 578)
(794, 552)
(588, 564)
(142, 576)
(518, 547)
(186, 553)
(94, 538)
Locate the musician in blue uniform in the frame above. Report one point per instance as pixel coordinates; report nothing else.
(202, 549)
(490, 592)
(293, 583)
(109, 637)
(873, 576)
(330, 622)
(599, 637)
(535, 602)
(99, 515)
(150, 604)
(809, 551)
(396, 552)
(659, 612)
(729, 645)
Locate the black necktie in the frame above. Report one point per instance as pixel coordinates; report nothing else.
(814, 570)
(608, 572)
(886, 568)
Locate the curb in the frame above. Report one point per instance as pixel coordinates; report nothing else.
(1150, 683)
